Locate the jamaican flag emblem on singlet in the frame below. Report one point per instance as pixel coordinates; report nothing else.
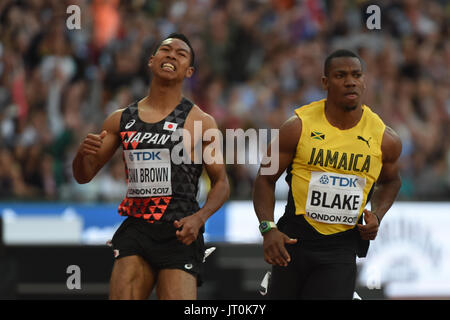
(317, 135)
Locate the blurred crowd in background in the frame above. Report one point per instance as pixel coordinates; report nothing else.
(256, 61)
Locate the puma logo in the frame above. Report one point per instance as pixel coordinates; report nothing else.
(366, 141)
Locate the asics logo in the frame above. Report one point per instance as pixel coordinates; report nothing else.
(130, 124)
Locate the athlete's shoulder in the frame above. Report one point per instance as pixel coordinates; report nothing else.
(115, 115)
(290, 132)
(373, 115)
(132, 108)
(314, 105)
(129, 109)
(112, 122)
(391, 145)
(311, 108)
(293, 123)
(118, 112)
(197, 114)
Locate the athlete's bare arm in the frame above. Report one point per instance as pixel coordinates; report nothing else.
(220, 188)
(97, 149)
(264, 192)
(387, 185)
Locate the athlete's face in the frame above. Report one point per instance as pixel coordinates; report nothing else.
(345, 82)
(172, 60)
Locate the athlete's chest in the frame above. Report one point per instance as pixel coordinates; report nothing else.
(135, 135)
(140, 131)
(162, 143)
(342, 151)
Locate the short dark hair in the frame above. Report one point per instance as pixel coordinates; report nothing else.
(181, 37)
(341, 53)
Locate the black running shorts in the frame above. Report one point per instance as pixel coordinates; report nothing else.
(314, 273)
(158, 245)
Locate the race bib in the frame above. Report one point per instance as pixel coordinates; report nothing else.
(149, 172)
(335, 198)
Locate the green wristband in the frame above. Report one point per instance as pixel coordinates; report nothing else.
(265, 226)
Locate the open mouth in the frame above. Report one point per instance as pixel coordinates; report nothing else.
(168, 66)
(351, 95)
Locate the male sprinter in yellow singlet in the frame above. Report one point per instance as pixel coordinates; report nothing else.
(338, 154)
(161, 241)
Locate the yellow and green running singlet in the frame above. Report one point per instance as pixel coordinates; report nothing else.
(334, 170)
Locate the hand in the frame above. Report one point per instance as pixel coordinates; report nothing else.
(370, 229)
(188, 228)
(274, 250)
(92, 143)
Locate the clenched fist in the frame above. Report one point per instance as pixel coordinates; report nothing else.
(92, 143)
(368, 231)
